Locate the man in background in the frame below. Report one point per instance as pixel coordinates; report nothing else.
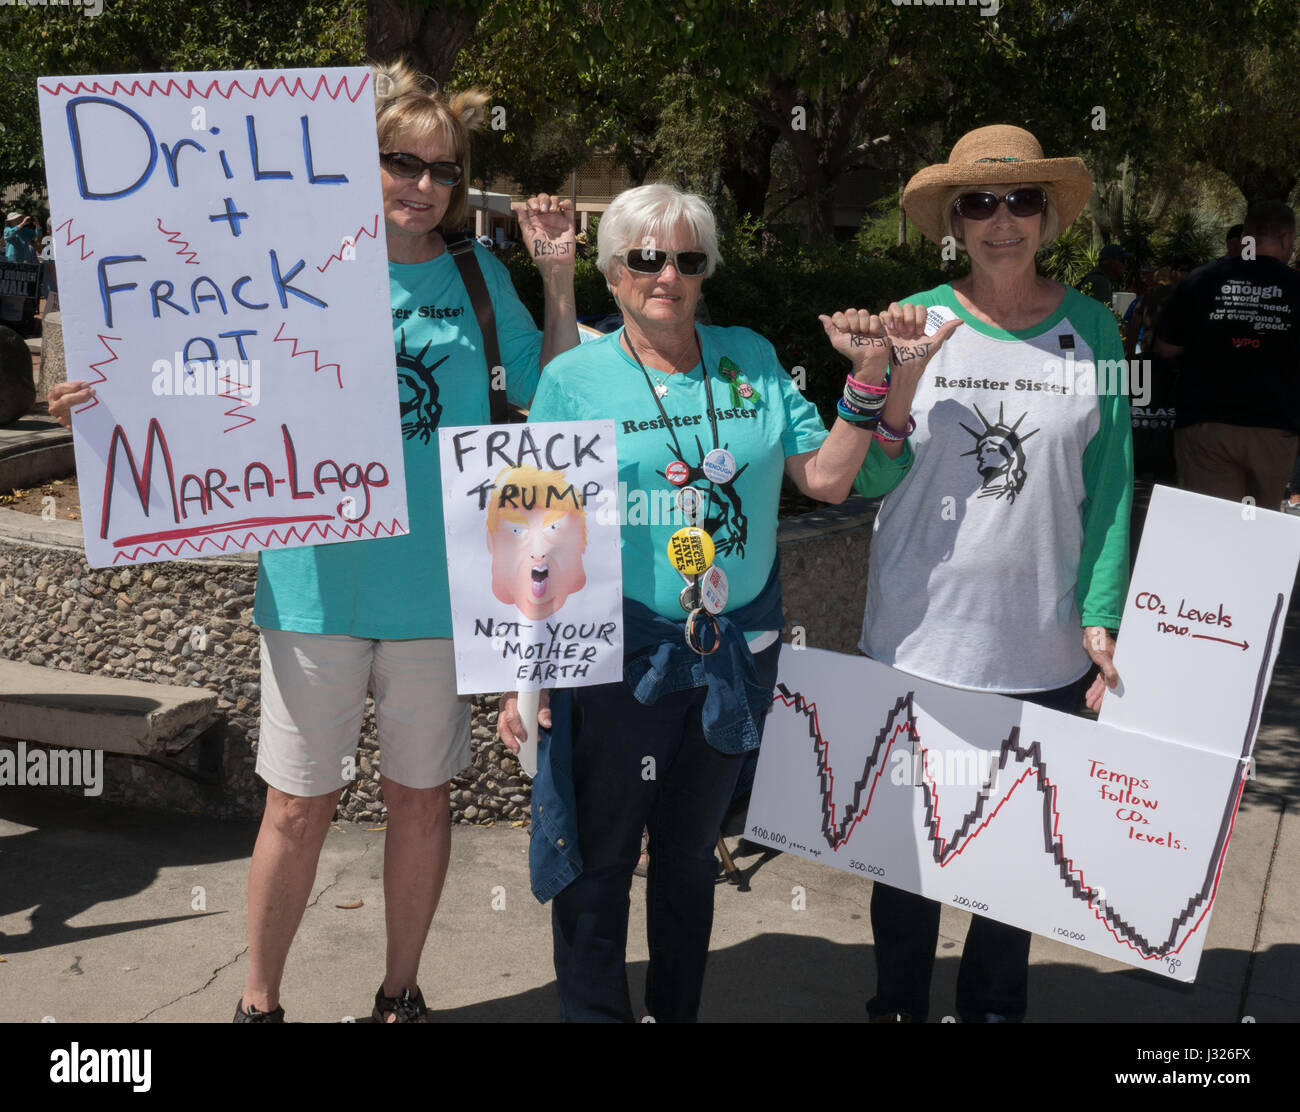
(1236, 325)
(1100, 281)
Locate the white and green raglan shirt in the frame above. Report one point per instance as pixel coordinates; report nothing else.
(1006, 525)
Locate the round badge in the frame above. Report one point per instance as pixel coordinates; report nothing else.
(690, 597)
(719, 465)
(713, 590)
(690, 551)
(677, 472)
(690, 503)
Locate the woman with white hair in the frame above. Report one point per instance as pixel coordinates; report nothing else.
(710, 418)
(1009, 478)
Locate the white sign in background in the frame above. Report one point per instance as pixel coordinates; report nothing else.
(1109, 836)
(224, 284)
(533, 557)
(1103, 839)
(1203, 623)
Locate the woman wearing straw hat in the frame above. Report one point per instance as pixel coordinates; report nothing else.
(1009, 477)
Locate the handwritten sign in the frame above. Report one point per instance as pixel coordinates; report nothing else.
(533, 554)
(1106, 840)
(1203, 621)
(1109, 836)
(224, 286)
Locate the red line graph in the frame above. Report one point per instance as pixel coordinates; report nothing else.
(901, 722)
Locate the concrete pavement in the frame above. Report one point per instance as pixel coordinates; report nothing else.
(109, 914)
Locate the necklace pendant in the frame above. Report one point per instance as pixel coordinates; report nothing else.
(661, 390)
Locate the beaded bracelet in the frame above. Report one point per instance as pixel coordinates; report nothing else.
(887, 435)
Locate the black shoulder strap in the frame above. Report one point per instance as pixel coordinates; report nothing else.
(461, 247)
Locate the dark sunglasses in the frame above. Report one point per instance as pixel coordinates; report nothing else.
(644, 260)
(1020, 202)
(408, 166)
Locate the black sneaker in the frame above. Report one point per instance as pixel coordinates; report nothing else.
(252, 1015)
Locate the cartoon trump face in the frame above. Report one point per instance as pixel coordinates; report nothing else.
(536, 533)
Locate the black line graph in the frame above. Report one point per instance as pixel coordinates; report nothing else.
(901, 722)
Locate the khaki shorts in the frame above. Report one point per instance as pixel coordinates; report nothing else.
(314, 696)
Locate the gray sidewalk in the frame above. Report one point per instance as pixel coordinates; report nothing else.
(98, 922)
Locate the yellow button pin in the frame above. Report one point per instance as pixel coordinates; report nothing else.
(691, 551)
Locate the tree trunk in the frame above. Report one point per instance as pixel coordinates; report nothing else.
(747, 170)
(1262, 183)
(902, 184)
(430, 35)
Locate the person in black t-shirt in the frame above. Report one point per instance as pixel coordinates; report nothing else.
(1236, 325)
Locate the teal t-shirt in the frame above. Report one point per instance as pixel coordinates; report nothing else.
(396, 587)
(761, 419)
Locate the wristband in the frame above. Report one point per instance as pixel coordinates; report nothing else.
(855, 416)
(872, 403)
(887, 435)
(869, 387)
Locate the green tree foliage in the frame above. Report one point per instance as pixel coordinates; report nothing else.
(155, 36)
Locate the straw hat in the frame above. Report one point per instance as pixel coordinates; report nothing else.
(991, 156)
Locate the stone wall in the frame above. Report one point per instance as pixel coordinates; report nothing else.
(189, 622)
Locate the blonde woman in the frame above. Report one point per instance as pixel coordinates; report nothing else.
(1000, 556)
(338, 620)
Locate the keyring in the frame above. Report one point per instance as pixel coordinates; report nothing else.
(690, 595)
(692, 632)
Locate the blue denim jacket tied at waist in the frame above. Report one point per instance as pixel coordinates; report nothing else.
(656, 662)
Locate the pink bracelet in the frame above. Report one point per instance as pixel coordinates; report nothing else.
(858, 384)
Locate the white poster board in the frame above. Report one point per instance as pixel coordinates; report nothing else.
(533, 557)
(1103, 839)
(224, 286)
(1111, 839)
(1203, 622)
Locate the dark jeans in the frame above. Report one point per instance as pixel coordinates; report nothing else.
(993, 978)
(636, 766)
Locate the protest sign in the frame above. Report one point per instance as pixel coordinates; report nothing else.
(533, 558)
(224, 287)
(1107, 835)
(19, 279)
(1103, 839)
(1201, 634)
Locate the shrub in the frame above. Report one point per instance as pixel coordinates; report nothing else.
(778, 288)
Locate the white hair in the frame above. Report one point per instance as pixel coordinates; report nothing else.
(653, 211)
(1051, 222)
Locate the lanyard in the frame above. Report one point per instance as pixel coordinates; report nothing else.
(708, 392)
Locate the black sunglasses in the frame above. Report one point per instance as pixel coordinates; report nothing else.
(1020, 202)
(402, 165)
(647, 260)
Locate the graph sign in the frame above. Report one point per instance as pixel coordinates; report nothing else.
(1208, 623)
(1104, 839)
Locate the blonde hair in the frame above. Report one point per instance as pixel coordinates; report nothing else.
(1051, 222)
(410, 106)
(536, 490)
